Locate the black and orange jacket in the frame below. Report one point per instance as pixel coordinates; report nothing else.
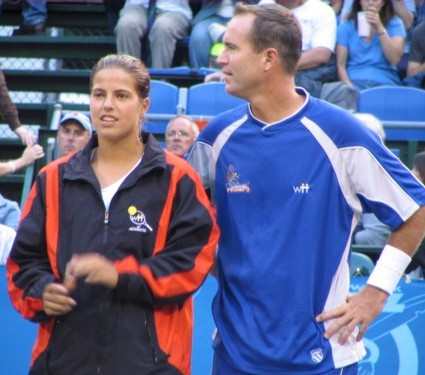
(161, 236)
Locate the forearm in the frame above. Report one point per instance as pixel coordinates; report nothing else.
(409, 236)
(314, 58)
(6, 168)
(11, 166)
(393, 49)
(343, 76)
(415, 68)
(26, 290)
(406, 15)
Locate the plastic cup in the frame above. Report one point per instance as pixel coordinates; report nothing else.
(363, 27)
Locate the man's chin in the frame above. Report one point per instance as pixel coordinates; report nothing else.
(177, 151)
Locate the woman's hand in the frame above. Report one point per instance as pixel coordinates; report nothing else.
(372, 16)
(93, 267)
(56, 300)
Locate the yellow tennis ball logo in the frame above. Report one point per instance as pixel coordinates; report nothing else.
(138, 218)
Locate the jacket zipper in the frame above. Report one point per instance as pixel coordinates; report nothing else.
(105, 239)
(105, 227)
(155, 355)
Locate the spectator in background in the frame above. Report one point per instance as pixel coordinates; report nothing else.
(370, 230)
(368, 61)
(9, 112)
(180, 134)
(74, 133)
(416, 63)
(9, 210)
(30, 154)
(405, 9)
(171, 23)
(34, 14)
(7, 236)
(208, 27)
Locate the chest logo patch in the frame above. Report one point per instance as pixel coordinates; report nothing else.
(233, 183)
(138, 218)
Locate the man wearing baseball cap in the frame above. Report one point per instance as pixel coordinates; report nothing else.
(74, 132)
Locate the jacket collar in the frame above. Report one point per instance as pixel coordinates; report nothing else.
(78, 167)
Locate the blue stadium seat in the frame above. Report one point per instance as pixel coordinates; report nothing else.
(393, 103)
(402, 112)
(164, 103)
(360, 264)
(210, 99)
(164, 97)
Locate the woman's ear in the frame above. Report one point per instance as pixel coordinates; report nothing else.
(144, 107)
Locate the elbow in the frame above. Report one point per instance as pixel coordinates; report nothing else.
(324, 56)
(396, 60)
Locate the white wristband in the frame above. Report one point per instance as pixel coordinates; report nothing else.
(12, 165)
(389, 269)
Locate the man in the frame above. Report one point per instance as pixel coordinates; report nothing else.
(180, 134)
(74, 132)
(316, 65)
(290, 175)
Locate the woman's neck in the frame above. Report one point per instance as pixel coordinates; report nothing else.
(112, 162)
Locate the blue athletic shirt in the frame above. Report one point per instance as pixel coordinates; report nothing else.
(288, 197)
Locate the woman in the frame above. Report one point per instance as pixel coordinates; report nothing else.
(369, 61)
(113, 242)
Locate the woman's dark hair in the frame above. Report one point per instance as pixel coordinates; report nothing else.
(131, 65)
(386, 13)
